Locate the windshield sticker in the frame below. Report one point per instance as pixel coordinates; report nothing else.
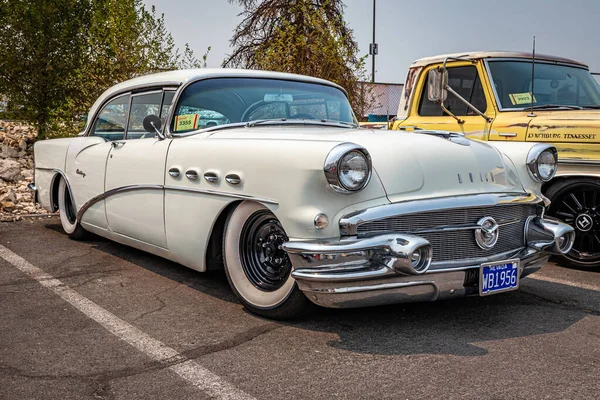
(282, 97)
(521, 98)
(186, 122)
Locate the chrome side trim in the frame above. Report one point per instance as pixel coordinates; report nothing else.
(113, 192)
(349, 223)
(131, 188)
(64, 176)
(225, 194)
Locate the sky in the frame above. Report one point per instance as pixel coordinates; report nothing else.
(406, 31)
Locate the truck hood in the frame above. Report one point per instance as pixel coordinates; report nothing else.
(575, 133)
(410, 165)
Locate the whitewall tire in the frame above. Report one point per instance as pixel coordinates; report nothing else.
(258, 270)
(68, 213)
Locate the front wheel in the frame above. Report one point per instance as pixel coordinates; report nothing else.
(257, 268)
(68, 215)
(577, 203)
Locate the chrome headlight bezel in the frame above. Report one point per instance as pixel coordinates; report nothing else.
(332, 167)
(533, 158)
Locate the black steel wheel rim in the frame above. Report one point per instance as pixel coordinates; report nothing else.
(578, 206)
(69, 208)
(266, 265)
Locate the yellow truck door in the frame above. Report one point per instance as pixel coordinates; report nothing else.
(465, 79)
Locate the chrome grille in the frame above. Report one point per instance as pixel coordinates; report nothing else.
(459, 244)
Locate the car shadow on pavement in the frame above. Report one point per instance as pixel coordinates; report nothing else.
(213, 283)
(457, 327)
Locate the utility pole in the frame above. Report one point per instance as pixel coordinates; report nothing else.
(373, 47)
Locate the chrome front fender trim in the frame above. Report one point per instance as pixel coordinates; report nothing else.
(130, 188)
(349, 223)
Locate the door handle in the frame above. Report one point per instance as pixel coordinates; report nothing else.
(174, 172)
(507, 134)
(117, 143)
(191, 174)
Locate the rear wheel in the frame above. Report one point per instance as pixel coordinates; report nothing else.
(68, 214)
(577, 203)
(258, 270)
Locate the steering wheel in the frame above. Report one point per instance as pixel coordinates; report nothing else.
(302, 116)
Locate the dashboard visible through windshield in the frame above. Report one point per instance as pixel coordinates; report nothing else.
(232, 101)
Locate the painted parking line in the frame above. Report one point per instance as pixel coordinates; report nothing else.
(192, 372)
(564, 282)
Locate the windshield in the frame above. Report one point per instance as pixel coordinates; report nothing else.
(225, 101)
(554, 85)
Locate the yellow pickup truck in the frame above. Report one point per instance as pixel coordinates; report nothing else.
(492, 96)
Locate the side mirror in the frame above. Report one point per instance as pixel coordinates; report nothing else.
(152, 124)
(437, 81)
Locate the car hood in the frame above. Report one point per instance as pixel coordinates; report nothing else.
(576, 134)
(410, 165)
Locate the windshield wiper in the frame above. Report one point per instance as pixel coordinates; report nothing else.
(592, 107)
(542, 106)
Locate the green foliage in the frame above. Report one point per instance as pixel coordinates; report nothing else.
(306, 37)
(58, 56)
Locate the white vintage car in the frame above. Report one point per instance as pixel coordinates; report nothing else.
(283, 191)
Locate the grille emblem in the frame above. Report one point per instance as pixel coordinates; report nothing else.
(487, 234)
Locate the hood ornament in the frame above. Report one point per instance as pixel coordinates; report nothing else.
(487, 234)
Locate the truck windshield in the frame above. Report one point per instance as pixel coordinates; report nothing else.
(554, 85)
(223, 102)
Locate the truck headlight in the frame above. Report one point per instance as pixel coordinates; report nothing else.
(348, 168)
(542, 162)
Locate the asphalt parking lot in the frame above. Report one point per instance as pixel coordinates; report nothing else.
(98, 320)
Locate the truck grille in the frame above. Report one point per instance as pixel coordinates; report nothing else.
(459, 244)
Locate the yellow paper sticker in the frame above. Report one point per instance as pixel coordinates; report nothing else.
(186, 122)
(521, 98)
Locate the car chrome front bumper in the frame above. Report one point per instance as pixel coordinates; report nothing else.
(358, 272)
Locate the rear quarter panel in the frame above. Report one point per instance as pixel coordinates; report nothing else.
(50, 156)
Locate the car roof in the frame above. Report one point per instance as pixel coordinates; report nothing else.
(476, 55)
(179, 77)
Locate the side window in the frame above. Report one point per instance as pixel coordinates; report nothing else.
(167, 101)
(465, 81)
(112, 120)
(142, 105)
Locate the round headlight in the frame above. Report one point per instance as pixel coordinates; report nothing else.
(542, 162)
(348, 168)
(353, 170)
(546, 165)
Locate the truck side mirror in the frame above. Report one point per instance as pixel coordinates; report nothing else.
(437, 81)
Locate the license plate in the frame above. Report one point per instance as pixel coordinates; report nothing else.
(498, 277)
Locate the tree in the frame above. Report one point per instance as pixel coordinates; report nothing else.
(306, 37)
(57, 56)
(42, 43)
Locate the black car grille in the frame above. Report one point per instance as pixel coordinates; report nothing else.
(457, 244)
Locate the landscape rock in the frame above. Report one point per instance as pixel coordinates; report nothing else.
(10, 170)
(16, 171)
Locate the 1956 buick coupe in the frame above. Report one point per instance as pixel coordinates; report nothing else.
(268, 176)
